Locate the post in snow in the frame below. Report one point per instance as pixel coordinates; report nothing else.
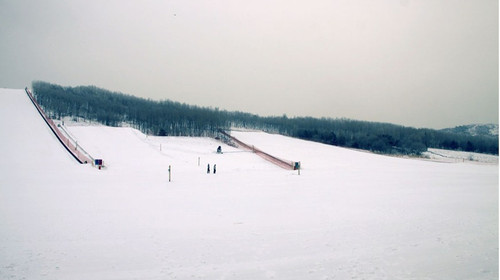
(169, 173)
(296, 166)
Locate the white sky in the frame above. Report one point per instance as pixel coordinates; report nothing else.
(427, 63)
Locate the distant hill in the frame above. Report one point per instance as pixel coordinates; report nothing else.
(488, 130)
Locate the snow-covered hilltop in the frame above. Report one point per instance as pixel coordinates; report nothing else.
(349, 214)
(475, 130)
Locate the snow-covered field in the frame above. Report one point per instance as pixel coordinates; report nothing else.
(348, 215)
(457, 156)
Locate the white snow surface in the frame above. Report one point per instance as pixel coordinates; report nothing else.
(458, 156)
(348, 215)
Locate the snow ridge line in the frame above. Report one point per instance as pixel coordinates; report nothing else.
(72, 149)
(286, 164)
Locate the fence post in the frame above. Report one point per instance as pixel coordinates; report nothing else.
(169, 173)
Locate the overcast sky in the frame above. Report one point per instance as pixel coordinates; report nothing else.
(425, 63)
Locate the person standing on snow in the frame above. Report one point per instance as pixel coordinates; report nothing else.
(215, 168)
(208, 169)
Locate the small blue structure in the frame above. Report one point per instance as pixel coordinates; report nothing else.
(296, 166)
(98, 163)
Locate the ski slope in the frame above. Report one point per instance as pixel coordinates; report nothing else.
(348, 215)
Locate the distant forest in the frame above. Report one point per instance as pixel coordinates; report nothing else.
(168, 118)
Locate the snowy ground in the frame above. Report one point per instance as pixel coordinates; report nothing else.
(349, 215)
(456, 156)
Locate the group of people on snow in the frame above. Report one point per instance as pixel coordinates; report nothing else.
(208, 168)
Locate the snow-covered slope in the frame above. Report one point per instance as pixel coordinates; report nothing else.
(348, 215)
(459, 156)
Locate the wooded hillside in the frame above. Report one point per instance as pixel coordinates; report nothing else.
(177, 119)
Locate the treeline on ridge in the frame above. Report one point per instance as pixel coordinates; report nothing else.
(169, 118)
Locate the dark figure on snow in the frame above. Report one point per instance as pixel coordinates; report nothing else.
(215, 168)
(208, 169)
(219, 150)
